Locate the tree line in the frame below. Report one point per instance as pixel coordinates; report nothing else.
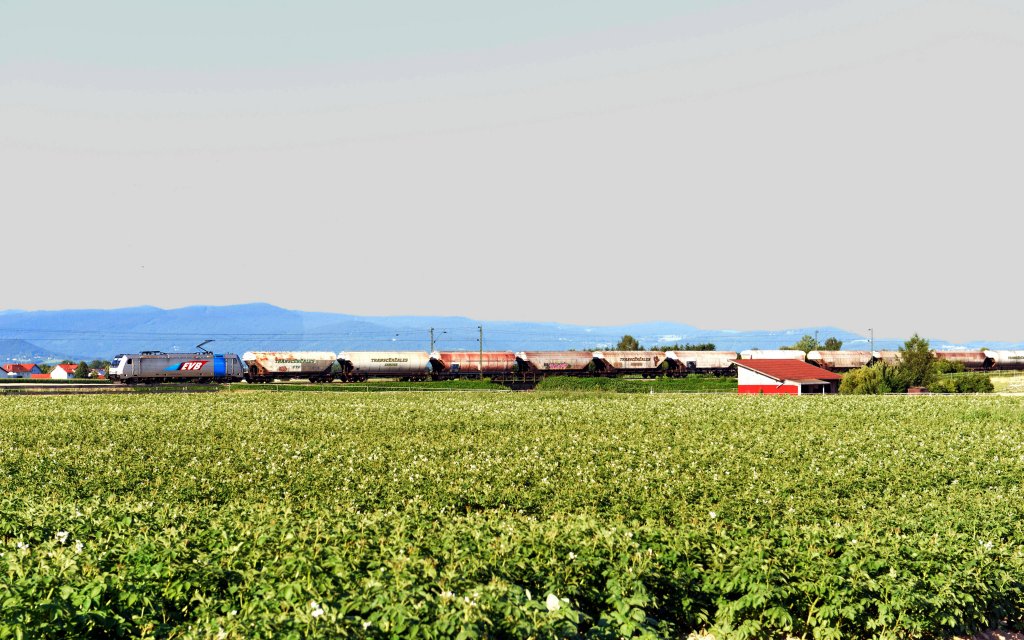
(629, 343)
(917, 368)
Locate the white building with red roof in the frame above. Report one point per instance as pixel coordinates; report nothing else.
(63, 371)
(792, 377)
(19, 370)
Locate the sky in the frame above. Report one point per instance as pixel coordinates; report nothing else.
(726, 164)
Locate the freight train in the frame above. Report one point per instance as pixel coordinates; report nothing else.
(500, 366)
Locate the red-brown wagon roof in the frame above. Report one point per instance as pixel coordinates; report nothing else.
(788, 370)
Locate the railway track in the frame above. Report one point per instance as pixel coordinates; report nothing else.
(23, 389)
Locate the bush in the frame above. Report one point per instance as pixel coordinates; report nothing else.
(874, 379)
(703, 383)
(963, 383)
(948, 366)
(974, 383)
(943, 385)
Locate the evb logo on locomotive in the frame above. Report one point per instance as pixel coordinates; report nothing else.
(192, 365)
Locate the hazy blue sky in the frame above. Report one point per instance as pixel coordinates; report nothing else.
(725, 164)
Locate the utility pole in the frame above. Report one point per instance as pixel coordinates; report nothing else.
(872, 340)
(481, 328)
(432, 341)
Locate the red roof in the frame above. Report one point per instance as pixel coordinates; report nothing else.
(70, 368)
(788, 370)
(18, 368)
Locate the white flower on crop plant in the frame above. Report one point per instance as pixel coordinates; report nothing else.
(572, 556)
(21, 546)
(529, 596)
(317, 610)
(552, 602)
(79, 546)
(987, 545)
(712, 515)
(222, 634)
(61, 536)
(366, 624)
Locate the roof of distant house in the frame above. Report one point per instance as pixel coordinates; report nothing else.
(70, 368)
(794, 370)
(18, 367)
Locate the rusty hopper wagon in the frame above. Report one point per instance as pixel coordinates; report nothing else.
(266, 366)
(645, 363)
(683, 363)
(404, 365)
(971, 360)
(448, 365)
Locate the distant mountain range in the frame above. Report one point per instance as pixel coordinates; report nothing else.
(17, 350)
(101, 333)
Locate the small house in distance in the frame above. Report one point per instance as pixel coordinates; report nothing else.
(791, 377)
(17, 370)
(63, 371)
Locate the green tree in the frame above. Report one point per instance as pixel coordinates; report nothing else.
(82, 371)
(832, 344)
(917, 362)
(806, 344)
(866, 380)
(809, 343)
(628, 343)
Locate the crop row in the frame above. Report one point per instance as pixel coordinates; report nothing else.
(501, 514)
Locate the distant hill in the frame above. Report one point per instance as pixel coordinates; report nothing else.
(101, 333)
(17, 350)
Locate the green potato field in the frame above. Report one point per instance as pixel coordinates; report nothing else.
(258, 514)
